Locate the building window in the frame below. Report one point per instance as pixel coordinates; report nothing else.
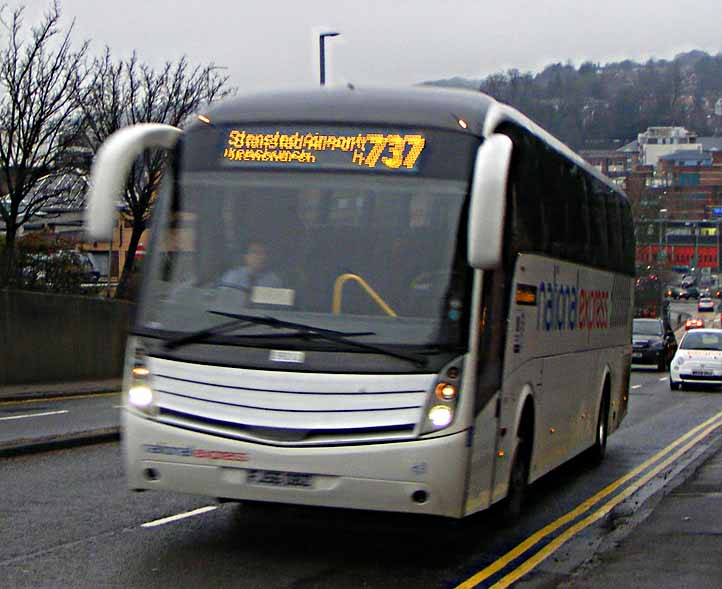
(689, 179)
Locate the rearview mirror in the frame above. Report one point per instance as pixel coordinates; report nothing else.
(111, 167)
(488, 202)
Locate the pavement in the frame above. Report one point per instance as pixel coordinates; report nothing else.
(677, 544)
(44, 390)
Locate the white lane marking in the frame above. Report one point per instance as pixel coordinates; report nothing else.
(172, 518)
(117, 406)
(27, 415)
(663, 378)
(637, 386)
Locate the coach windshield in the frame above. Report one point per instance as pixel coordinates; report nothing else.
(380, 258)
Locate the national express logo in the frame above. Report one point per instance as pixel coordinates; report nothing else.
(194, 452)
(567, 307)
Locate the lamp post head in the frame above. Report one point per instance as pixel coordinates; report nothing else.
(322, 53)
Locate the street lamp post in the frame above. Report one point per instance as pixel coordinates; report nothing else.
(662, 253)
(322, 54)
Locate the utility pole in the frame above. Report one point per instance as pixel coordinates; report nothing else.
(322, 54)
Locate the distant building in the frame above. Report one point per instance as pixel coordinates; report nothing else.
(674, 180)
(656, 142)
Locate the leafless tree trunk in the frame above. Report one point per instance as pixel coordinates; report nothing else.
(41, 78)
(128, 92)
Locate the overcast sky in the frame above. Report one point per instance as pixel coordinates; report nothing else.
(274, 44)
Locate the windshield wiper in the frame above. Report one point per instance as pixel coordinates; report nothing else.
(239, 322)
(309, 331)
(204, 334)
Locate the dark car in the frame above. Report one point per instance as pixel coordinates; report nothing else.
(673, 292)
(653, 343)
(691, 292)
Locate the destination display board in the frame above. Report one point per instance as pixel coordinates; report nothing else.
(329, 148)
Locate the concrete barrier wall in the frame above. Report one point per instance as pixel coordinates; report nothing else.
(60, 338)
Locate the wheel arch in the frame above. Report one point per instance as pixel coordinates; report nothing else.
(525, 420)
(605, 390)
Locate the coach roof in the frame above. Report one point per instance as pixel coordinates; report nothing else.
(414, 106)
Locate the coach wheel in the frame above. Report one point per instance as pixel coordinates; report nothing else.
(600, 443)
(518, 481)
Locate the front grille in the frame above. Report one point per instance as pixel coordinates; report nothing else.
(289, 408)
(283, 437)
(701, 377)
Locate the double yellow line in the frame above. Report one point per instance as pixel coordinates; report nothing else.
(667, 456)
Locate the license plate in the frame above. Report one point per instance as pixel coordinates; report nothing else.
(278, 478)
(637, 355)
(702, 373)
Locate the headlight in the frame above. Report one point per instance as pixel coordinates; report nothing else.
(441, 404)
(441, 416)
(679, 361)
(140, 394)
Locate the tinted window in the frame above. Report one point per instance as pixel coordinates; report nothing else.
(647, 327)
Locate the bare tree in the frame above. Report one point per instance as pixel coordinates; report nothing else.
(128, 92)
(41, 77)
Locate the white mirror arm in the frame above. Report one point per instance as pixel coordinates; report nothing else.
(111, 166)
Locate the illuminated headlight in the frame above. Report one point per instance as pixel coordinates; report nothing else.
(440, 410)
(140, 396)
(441, 416)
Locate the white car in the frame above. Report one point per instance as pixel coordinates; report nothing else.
(698, 360)
(705, 304)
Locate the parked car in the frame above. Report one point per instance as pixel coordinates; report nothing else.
(694, 323)
(653, 343)
(705, 304)
(698, 360)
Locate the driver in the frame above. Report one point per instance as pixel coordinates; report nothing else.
(253, 272)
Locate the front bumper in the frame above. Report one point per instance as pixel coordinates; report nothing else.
(647, 355)
(691, 374)
(385, 477)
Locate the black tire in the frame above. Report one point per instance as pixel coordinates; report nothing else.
(518, 482)
(673, 385)
(599, 449)
(662, 364)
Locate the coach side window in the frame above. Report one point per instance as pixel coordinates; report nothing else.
(528, 232)
(628, 230)
(598, 222)
(614, 231)
(578, 213)
(554, 203)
